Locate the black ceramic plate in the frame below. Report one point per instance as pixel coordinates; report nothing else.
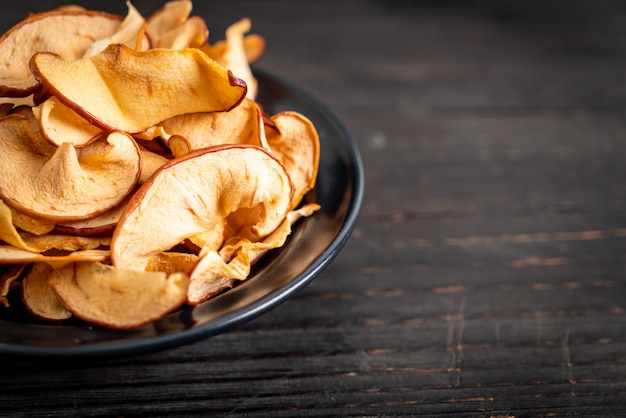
(314, 242)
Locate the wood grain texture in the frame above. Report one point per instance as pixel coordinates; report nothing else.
(486, 276)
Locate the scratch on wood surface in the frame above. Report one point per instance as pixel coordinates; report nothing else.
(539, 261)
(567, 360)
(455, 343)
(523, 238)
(450, 289)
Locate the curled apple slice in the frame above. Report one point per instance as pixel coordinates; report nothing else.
(13, 255)
(296, 144)
(38, 296)
(132, 32)
(205, 193)
(59, 124)
(218, 271)
(130, 91)
(191, 34)
(114, 298)
(234, 55)
(72, 184)
(168, 18)
(242, 125)
(66, 33)
(8, 276)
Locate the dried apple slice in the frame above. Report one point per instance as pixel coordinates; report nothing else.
(70, 185)
(8, 232)
(131, 33)
(169, 17)
(253, 46)
(29, 224)
(130, 91)
(211, 276)
(38, 296)
(172, 262)
(241, 125)
(296, 144)
(101, 225)
(198, 194)
(8, 275)
(150, 162)
(42, 243)
(35, 138)
(234, 55)
(191, 34)
(115, 298)
(66, 33)
(13, 255)
(216, 272)
(59, 124)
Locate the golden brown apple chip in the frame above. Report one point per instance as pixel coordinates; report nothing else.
(233, 56)
(191, 34)
(132, 32)
(212, 275)
(33, 138)
(241, 125)
(116, 298)
(120, 82)
(72, 184)
(29, 224)
(150, 162)
(14, 255)
(42, 243)
(8, 276)
(172, 262)
(169, 17)
(38, 296)
(66, 33)
(253, 46)
(296, 144)
(101, 225)
(179, 145)
(59, 124)
(196, 194)
(8, 232)
(216, 272)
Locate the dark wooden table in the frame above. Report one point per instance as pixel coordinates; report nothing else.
(486, 275)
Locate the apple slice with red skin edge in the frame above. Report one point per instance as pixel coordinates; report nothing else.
(14, 255)
(25, 223)
(253, 45)
(38, 142)
(191, 34)
(241, 125)
(101, 225)
(38, 297)
(8, 232)
(43, 243)
(296, 144)
(71, 184)
(132, 32)
(119, 299)
(219, 271)
(170, 16)
(59, 123)
(66, 33)
(131, 91)
(234, 55)
(8, 276)
(197, 195)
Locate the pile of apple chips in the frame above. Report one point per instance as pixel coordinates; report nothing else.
(138, 173)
